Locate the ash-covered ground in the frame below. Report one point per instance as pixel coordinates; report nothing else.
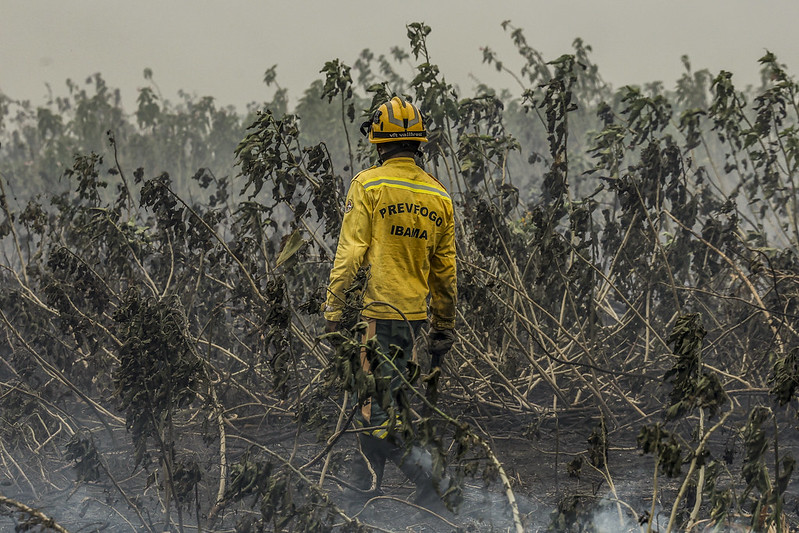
(547, 462)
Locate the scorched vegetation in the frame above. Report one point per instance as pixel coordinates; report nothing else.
(628, 356)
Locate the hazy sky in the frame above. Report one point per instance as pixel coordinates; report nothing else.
(223, 48)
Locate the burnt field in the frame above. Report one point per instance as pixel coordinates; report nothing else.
(551, 464)
(627, 355)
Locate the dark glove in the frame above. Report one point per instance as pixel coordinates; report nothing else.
(334, 340)
(439, 343)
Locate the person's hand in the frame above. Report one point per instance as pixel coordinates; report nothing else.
(439, 343)
(332, 327)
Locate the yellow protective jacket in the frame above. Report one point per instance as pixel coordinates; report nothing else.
(399, 220)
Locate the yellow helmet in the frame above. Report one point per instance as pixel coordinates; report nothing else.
(396, 120)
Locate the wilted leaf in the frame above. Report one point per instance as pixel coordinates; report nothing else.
(292, 246)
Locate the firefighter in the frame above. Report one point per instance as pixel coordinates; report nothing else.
(398, 221)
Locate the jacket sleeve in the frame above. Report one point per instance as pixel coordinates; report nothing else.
(443, 280)
(353, 243)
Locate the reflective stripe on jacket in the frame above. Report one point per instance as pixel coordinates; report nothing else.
(399, 220)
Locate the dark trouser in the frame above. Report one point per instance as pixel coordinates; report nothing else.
(378, 445)
(396, 344)
(416, 463)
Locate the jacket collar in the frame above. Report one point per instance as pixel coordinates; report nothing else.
(399, 161)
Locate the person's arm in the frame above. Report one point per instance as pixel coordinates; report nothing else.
(443, 283)
(443, 280)
(353, 242)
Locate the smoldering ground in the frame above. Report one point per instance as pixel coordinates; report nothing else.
(548, 497)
